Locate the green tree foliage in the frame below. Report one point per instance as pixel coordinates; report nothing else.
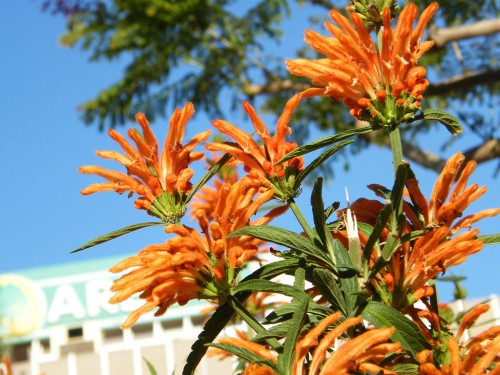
(207, 51)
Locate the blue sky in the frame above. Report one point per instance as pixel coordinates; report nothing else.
(43, 141)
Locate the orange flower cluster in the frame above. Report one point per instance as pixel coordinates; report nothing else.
(260, 161)
(479, 355)
(195, 265)
(362, 354)
(160, 180)
(380, 84)
(5, 366)
(206, 199)
(442, 246)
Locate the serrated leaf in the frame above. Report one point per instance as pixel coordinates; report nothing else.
(324, 141)
(280, 267)
(410, 237)
(268, 286)
(348, 279)
(285, 360)
(223, 314)
(382, 219)
(367, 230)
(245, 354)
(117, 233)
(490, 239)
(283, 237)
(151, 368)
(405, 369)
(406, 333)
(399, 186)
(451, 122)
(212, 328)
(207, 176)
(284, 312)
(331, 209)
(276, 332)
(318, 209)
(318, 161)
(328, 287)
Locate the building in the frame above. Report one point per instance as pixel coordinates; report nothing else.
(57, 321)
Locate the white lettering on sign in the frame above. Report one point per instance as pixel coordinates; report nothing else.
(84, 300)
(98, 293)
(65, 303)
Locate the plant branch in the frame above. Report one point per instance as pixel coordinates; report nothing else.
(463, 81)
(481, 153)
(445, 35)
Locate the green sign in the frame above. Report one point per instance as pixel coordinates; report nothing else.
(33, 301)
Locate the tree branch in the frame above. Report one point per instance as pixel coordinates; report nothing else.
(481, 153)
(463, 81)
(323, 3)
(449, 34)
(458, 82)
(275, 87)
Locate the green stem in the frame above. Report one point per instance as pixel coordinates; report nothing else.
(397, 159)
(252, 322)
(301, 219)
(397, 150)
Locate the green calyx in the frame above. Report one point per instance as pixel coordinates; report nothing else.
(284, 187)
(391, 112)
(370, 11)
(168, 207)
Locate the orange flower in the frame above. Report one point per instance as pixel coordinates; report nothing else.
(195, 265)
(442, 246)
(160, 180)
(317, 352)
(257, 349)
(380, 84)
(478, 356)
(362, 353)
(207, 197)
(5, 367)
(260, 161)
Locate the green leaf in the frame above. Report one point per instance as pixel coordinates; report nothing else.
(223, 314)
(274, 269)
(285, 360)
(405, 369)
(399, 186)
(117, 233)
(207, 176)
(331, 209)
(410, 236)
(252, 321)
(283, 237)
(324, 141)
(284, 312)
(490, 239)
(151, 368)
(328, 287)
(277, 332)
(348, 279)
(406, 333)
(318, 209)
(268, 286)
(382, 219)
(219, 319)
(318, 161)
(245, 354)
(451, 122)
(367, 230)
